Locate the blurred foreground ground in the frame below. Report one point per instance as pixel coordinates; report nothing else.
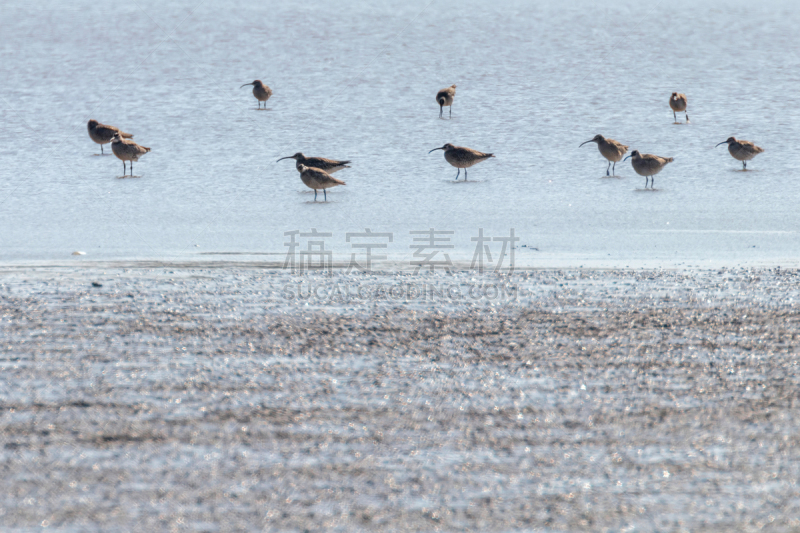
(179, 399)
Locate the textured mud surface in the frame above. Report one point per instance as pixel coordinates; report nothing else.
(231, 400)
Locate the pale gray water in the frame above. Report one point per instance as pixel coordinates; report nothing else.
(357, 80)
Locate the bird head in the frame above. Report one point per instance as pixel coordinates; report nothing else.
(596, 139)
(93, 123)
(446, 147)
(728, 141)
(297, 157)
(301, 168)
(634, 155)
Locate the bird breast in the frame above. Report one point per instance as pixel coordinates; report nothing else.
(678, 103)
(742, 152)
(460, 159)
(612, 152)
(262, 94)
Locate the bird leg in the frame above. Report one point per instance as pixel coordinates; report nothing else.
(441, 110)
(614, 170)
(676, 117)
(101, 149)
(131, 168)
(608, 168)
(451, 110)
(325, 192)
(465, 174)
(458, 174)
(124, 168)
(744, 165)
(652, 182)
(315, 195)
(687, 116)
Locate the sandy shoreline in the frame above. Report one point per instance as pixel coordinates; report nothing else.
(241, 399)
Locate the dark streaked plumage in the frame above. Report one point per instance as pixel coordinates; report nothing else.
(445, 98)
(103, 133)
(742, 151)
(328, 165)
(317, 179)
(610, 149)
(648, 165)
(127, 150)
(677, 102)
(461, 157)
(260, 91)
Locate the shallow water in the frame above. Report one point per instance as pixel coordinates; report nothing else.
(355, 80)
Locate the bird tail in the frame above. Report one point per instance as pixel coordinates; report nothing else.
(127, 135)
(670, 159)
(146, 148)
(441, 100)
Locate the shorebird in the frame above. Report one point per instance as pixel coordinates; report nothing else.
(742, 151)
(445, 98)
(328, 165)
(127, 150)
(317, 179)
(260, 91)
(610, 149)
(103, 133)
(648, 165)
(461, 157)
(678, 103)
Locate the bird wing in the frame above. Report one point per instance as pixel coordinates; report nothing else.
(314, 161)
(751, 147)
(104, 130)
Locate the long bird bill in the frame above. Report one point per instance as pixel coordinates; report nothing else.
(589, 141)
(723, 142)
(282, 158)
(441, 148)
(627, 157)
(246, 84)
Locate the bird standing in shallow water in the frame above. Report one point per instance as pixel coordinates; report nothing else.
(127, 150)
(445, 98)
(610, 149)
(648, 165)
(461, 157)
(260, 91)
(103, 133)
(677, 102)
(317, 179)
(328, 165)
(742, 151)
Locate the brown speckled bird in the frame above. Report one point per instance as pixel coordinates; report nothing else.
(103, 133)
(260, 91)
(742, 151)
(317, 179)
(445, 98)
(610, 149)
(328, 165)
(461, 157)
(648, 165)
(127, 150)
(677, 102)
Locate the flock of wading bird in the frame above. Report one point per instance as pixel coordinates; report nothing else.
(316, 172)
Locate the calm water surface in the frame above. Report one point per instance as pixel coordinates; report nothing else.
(357, 80)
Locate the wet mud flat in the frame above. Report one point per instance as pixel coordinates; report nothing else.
(242, 399)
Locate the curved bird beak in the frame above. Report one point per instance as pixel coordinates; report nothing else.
(442, 148)
(245, 85)
(723, 142)
(627, 158)
(589, 141)
(282, 158)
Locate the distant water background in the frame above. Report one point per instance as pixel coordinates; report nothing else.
(356, 80)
